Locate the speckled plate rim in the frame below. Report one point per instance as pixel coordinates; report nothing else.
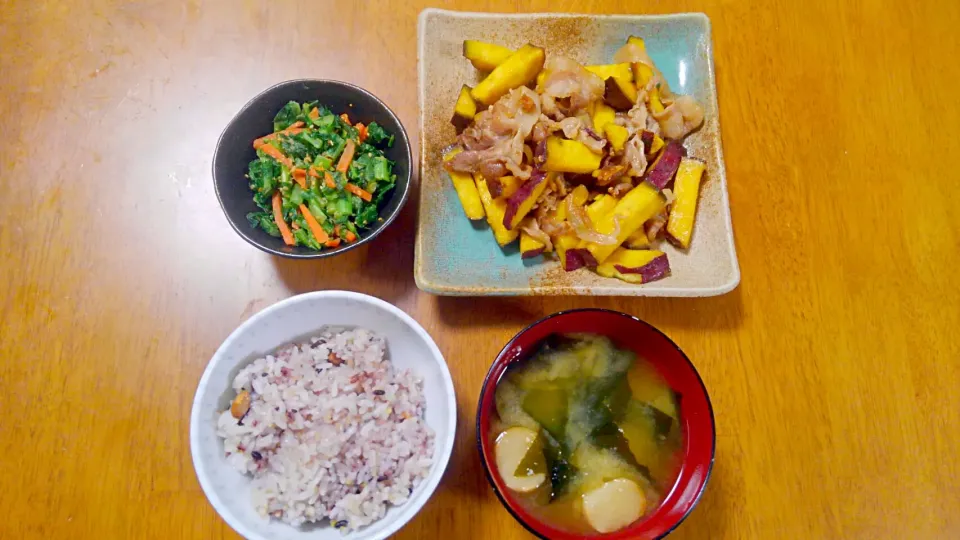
(426, 285)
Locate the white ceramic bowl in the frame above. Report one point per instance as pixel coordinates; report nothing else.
(293, 319)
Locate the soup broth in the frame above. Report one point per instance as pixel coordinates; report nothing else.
(587, 435)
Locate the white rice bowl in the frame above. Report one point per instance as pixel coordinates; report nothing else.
(348, 427)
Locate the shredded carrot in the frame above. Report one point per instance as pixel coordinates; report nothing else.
(278, 219)
(315, 228)
(296, 127)
(328, 179)
(300, 176)
(359, 192)
(346, 119)
(333, 242)
(276, 154)
(347, 156)
(257, 143)
(295, 226)
(361, 132)
(314, 114)
(347, 235)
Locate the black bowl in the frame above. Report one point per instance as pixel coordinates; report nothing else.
(235, 152)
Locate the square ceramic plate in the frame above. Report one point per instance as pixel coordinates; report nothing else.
(457, 257)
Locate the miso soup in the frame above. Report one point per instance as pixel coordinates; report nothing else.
(587, 435)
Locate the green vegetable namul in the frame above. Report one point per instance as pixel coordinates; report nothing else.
(328, 193)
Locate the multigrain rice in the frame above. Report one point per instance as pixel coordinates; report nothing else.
(333, 433)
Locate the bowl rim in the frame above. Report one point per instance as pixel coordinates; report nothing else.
(504, 358)
(404, 194)
(443, 448)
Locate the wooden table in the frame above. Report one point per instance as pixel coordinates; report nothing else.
(833, 368)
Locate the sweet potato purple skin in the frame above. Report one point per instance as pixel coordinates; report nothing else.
(540, 152)
(577, 258)
(663, 170)
(523, 193)
(646, 137)
(495, 186)
(464, 110)
(531, 254)
(617, 96)
(656, 269)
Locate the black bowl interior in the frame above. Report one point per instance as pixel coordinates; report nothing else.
(235, 152)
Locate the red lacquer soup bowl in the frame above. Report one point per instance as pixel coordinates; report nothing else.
(696, 416)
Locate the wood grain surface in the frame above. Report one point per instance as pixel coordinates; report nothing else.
(833, 368)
